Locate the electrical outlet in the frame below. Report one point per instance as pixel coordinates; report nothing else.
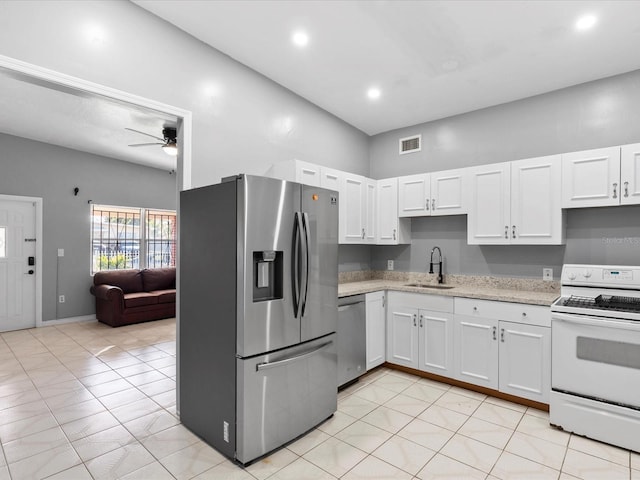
(61, 299)
(547, 274)
(389, 264)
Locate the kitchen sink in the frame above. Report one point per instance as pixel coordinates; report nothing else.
(427, 285)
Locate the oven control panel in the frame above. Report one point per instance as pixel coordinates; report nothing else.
(601, 275)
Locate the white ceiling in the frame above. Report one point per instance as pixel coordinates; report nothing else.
(431, 59)
(69, 118)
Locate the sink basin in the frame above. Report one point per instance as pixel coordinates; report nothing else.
(427, 285)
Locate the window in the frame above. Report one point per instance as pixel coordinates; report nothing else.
(123, 237)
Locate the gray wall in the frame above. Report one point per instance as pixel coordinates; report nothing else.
(596, 114)
(37, 169)
(242, 122)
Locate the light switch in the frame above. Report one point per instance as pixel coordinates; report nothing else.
(61, 252)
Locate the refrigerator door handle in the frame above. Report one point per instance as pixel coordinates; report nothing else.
(304, 281)
(280, 363)
(297, 239)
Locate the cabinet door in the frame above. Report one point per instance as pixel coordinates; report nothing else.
(352, 209)
(376, 329)
(630, 174)
(476, 350)
(414, 195)
(436, 342)
(330, 178)
(307, 173)
(402, 336)
(370, 224)
(525, 361)
(490, 205)
(387, 205)
(536, 197)
(591, 178)
(448, 192)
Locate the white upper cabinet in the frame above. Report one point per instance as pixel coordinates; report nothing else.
(630, 174)
(517, 203)
(490, 205)
(352, 209)
(414, 195)
(437, 193)
(448, 192)
(330, 178)
(391, 230)
(591, 178)
(536, 211)
(370, 227)
(296, 171)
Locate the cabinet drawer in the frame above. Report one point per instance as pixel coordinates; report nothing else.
(422, 301)
(512, 312)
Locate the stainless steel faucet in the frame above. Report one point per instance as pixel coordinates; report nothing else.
(440, 279)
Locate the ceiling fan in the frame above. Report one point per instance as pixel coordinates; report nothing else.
(169, 144)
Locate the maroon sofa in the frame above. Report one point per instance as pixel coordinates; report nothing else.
(124, 297)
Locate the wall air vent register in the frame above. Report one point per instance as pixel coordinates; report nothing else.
(410, 144)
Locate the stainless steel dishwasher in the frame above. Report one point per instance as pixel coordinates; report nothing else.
(352, 339)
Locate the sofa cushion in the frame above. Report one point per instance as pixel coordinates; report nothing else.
(165, 296)
(128, 280)
(139, 299)
(159, 278)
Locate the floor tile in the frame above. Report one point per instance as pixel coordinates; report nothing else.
(307, 442)
(507, 404)
(375, 394)
(151, 423)
(425, 392)
(426, 434)
(70, 413)
(108, 388)
(301, 469)
(356, 406)
(364, 436)
(271, 464)
(160, 386)
(394, 383)
(486, 432)
(441, 467)
(335, 457)
(102, 442)
(499, 415)
(471, 452)
(45, 463)
(86, 426)
(123, 397)
(22, 411)
(514, 467)
(119, 462)
(166, 442)
(404, 454)
(79, 472)
(387, 419)
(589, 467)
(191, 461)
(225, 471)
(372, 468)
(600, 450)
(134, 410)
(407, 405)
(152, 471)
(338, 422)
(443, 417)
(538, 450)
(100, 378)
(27, 426)
(33, 444)
(539, 427)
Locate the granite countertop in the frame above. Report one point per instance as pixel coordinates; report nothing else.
(528, 291)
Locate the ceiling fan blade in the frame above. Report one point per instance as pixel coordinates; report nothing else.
(145, 144)
(144, 133)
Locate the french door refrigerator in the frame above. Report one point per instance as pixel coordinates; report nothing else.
(258, 312)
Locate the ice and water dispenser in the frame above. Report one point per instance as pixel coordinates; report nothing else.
(267, 275)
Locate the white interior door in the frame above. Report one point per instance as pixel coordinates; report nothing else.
(17, 276)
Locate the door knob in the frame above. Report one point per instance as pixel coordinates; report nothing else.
(30, 272)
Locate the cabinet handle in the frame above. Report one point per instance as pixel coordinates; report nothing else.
(615, 190)
(475, 309)
(427, 204)
(524, 314)
(414, 320)
(433, 204)
(420, 321)
(513, 231)
(626, 189)
(394, 233)
(363, 233)
(494, 333)
(506, 231)
(502, 335)
(383, 300)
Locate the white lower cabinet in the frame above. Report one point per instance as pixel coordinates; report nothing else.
(503, 346)
(376, 331)
(420, 332)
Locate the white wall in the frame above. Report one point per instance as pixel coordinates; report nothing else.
(242, 122)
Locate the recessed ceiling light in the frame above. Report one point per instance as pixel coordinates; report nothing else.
(373, 93)
(300, 38)
(586, 22)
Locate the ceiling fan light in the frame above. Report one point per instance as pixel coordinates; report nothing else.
(170, 149)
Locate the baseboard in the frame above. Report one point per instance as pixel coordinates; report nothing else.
(59, 321)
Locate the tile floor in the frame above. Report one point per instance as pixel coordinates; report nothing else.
(85, 401)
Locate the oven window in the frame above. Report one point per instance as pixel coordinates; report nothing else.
(607, 351)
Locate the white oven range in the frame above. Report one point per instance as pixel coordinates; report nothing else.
(595, 354)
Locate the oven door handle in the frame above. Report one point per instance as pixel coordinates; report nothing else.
(596, 321)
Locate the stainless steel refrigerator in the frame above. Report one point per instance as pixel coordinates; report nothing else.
(258, 312)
